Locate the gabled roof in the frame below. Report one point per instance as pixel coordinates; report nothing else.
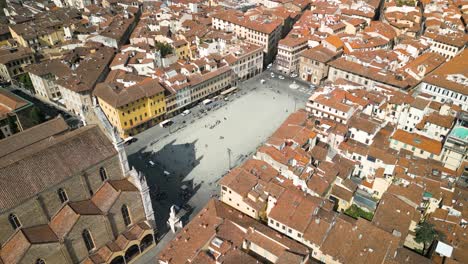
(394, 216)
(456, 66)
(319, 53)
(220, 220)
(32, 135)
(15, 248)
(10, 102)
(31, 170)
(295, 209)
(106, 196)
(421, 142)
(65, 219)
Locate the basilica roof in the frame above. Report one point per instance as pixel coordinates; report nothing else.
(35, 168)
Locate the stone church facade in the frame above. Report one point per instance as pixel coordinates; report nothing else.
(69, 197)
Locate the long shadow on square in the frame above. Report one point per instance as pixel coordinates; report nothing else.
(165, 172)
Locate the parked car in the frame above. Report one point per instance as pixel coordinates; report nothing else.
(186, 112)
(262, 81)
(207, 101)
(272, 75)
(294, 75)
(129, 140)
(166, 123)
(281, 77)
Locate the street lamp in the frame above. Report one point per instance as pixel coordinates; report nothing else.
(229, 151)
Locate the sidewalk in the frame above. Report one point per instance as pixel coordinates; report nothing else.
(152, 255)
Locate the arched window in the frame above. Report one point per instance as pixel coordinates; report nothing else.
(88, 240)
(62, 195)
(14, 221)
(40, 261)
(103, 174)
(126, 215)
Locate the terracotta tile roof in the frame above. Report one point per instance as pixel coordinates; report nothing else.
(123, 185)
(319, 53)
(371, 73)
(40, 234)
(210, 221)
(295, 209)
(444, 121)
(344, 166)
(236, 256)
(14, 54)
(100, 256)
(293, 41)
(318, 229)
(264, 241)
(327, 100)
(457, 65)
(421, 142)
(136, 231)
(429, 61)
(261, 169)
(404, 255)
(118, 97)
(319, 152)
(364, 123)
(342, 193)
(33, 169)
(274, 154)
(63, 221)
(17, 245)
(335, 41)
(198, 232)
(91, 68)
(32, 135)
(9, 102)
(353, 146)
(420, 103)
(386, 155)
(14, 249)
(120, 59)
(364, 243)
(196, 78)
(257, 23)
(55, 67)
(105, 197)
(240, 181)
(457, 40)
(393, 214)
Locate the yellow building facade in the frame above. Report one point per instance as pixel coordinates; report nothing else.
(25, 38)
(182, 49)
(133, 109)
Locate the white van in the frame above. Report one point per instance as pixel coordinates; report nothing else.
(166, 123)
(207, 101)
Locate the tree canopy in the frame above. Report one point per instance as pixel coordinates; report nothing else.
(26, 81)
(164, 48)
(426, 234)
